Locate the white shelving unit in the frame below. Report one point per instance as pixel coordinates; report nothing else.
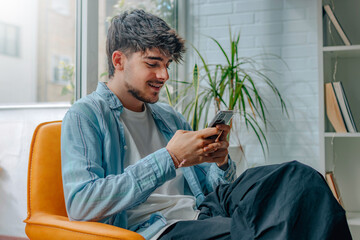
(340, 152)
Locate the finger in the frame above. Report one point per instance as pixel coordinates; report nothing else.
(212, 147)
(218, 154)
(223, 144)
(217, 146)
(207, 141)
(218, 137)
(208, 132)
(223, 127)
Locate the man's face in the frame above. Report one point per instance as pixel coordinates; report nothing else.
(145, 74)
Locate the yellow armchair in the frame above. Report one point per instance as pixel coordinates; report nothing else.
(46, 213)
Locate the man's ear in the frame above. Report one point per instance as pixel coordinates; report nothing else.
(118, 60)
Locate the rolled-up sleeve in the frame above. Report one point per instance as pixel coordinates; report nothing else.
(91, 194)
(218, 176)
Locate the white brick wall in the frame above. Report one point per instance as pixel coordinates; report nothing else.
(287, 28)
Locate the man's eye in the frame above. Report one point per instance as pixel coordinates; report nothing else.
(151, 65)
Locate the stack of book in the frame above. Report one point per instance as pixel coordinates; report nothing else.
(338, 109)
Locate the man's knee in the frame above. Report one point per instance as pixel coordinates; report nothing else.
(300, 167)
(306, 176)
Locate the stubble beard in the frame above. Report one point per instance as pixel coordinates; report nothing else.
(139, 96)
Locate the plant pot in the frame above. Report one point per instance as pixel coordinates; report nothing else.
(237, 155)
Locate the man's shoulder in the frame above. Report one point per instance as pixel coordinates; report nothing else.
(159, 106)
(90, 107)
(165, 110)
(169, 115)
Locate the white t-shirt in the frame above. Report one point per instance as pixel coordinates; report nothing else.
(143, 138)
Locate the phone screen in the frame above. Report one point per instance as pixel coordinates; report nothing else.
(221, 117)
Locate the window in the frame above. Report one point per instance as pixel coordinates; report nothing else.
(9, 39)
(37, 47)
(40, 49)
(61, 6)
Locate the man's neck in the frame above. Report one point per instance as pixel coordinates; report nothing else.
(126, 98)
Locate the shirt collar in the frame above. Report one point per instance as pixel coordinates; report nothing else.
(113, 101)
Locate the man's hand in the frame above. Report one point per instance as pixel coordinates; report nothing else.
(220, 155)
(194, 147)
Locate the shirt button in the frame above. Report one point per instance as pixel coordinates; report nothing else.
(126, 147)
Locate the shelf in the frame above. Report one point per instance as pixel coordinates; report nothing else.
(343, 51)
(353, 218)
(333, 134)
(340, 151)
(341, 48)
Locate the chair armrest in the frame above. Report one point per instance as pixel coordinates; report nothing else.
(41, 223)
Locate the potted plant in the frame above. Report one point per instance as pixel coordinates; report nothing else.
(233, 85)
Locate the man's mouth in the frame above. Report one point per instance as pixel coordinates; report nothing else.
(156, 85)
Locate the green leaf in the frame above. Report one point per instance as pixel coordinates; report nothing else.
(195, 120)
(222, 49)
(205, 65)
(104, 74)
(257, 129)
(168, 95)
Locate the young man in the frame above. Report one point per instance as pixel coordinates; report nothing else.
(135, 163)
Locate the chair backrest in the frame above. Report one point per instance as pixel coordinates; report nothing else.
(45, 189)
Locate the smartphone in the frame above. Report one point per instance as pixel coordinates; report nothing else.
(221, 117)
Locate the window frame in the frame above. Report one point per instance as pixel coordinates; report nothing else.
(86, 77)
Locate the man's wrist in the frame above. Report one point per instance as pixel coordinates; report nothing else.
(224, 165)
(174, 159)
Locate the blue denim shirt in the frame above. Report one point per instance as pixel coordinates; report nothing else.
(97, 187)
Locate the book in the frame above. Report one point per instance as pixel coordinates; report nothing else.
(330, 179)
(332, 109)
(344, 107)
(336, 24)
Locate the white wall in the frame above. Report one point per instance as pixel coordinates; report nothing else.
(287, 28)
(16, 128)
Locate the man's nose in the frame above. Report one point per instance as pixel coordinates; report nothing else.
(162, 74)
